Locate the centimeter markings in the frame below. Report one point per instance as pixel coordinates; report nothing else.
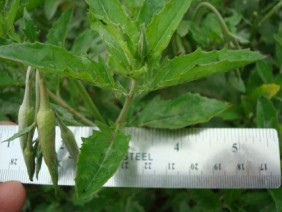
(187, 158)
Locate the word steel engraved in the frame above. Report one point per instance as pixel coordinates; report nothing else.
(188, 158)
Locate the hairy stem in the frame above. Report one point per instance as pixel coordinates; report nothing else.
(123, 113)
(61, 102)
(88, 101)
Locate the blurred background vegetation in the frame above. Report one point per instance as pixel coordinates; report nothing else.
(255, 23)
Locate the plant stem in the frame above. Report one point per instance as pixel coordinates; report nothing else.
(227, 34)
(61, 102)
(229, 37)
(88, 101)
(123, 112)
(270, 13)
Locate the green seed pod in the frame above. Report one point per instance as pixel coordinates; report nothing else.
(25, 119)
(29, 157)
(39, 157)
(45, 120)
(70, 142)
(68, 139)
(46, 132)
(26, 111)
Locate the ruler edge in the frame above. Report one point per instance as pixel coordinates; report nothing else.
(271, 130)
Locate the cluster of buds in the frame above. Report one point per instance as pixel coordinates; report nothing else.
(42, 117)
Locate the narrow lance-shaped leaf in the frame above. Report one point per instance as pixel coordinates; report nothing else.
(112, 12)
(50, 7)
(276, 195)
(185, 110)
(84, 42)
(6, 80)
(11, 15)
(266, 114)
(113, 39)
(115, 28)
(164, 24)
(264, 70)
(20, 133)
(200, 64)
(99, 159)
(58, 32)
(57, 60)
(29, 27)
(1, 27)
(148, 9)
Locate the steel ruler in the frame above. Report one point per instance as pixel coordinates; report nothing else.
(187, 158)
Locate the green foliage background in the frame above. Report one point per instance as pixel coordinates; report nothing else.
(255, 97)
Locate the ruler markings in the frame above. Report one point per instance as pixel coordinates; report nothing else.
(193, 158)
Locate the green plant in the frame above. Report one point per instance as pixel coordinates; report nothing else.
(135, 65)
(25, 119)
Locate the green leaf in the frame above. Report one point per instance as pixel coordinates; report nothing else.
(266, 90)
(11, 15)
(185, 110)
(202, 195)
(232, 195)
(111, 12)
(278, 49)
(6, 80)
(83, 42)
(99, 159)
(55, 59)
(236, 81)
(116, 29)
(50, 7)
(113, 39)
(276, 195)
(3, 41)
(29, 27)
(1, 25)
(255, 199)
(147, 11)
(58, 32)
(163, 25)
(20, 133)
(266, 114)
(65, 115)
(200, 64)
(264, 70)
(183, 28)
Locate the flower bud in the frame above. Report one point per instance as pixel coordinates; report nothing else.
(45, 120)
(26, 119)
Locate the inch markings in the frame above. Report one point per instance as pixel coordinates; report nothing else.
(187, 158)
